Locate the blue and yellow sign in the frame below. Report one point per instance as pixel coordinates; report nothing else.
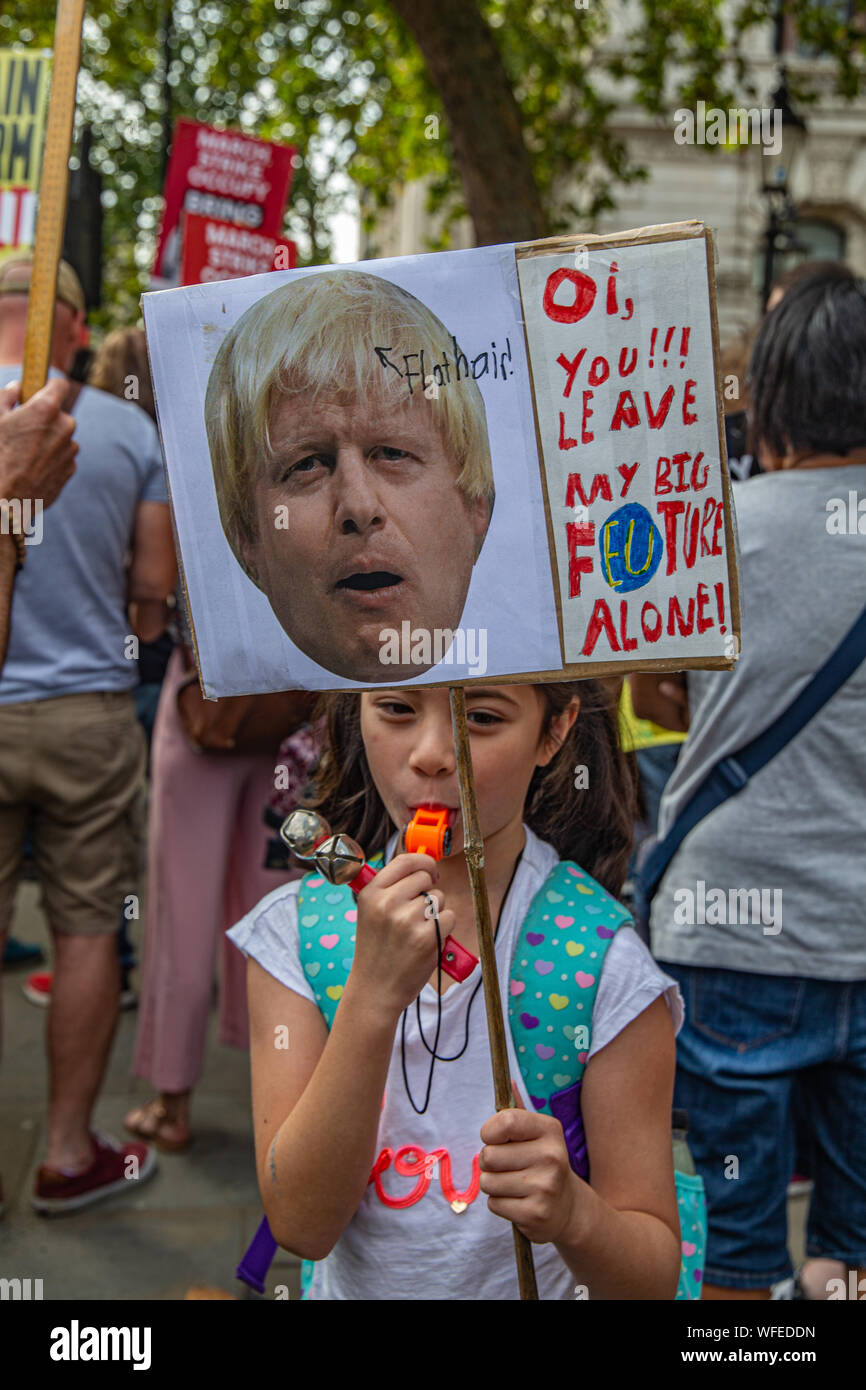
(631, 546)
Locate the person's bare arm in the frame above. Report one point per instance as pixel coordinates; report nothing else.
(316, 1107)
(8, 562)
(628, 1237)
(663, 698)
(316, 1104)
(620, 1236)
(37, 457)
(149, 620)
(153, 569)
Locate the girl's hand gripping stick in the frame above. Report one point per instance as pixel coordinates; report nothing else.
(341, 860)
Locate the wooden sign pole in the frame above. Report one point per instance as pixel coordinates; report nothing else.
(53, 188)
(473, 849)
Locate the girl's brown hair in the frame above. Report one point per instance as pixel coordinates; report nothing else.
(592, 824)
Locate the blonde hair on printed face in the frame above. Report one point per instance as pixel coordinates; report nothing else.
(317, 335)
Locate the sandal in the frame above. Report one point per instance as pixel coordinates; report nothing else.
(154, 1112)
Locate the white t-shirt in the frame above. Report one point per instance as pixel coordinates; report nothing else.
(446, 1244)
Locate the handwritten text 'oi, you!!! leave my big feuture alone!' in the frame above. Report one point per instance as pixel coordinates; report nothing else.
(627, 517)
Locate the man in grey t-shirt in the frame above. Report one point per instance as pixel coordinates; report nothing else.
(761, 915)
(72, 754)
(796, 835)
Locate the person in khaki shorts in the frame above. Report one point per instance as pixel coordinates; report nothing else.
(72, 755)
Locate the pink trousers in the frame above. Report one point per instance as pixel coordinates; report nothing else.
(206, 847)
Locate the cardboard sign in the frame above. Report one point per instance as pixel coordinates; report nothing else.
(383, 474)
(215, 250)
(25, 79)
(223, 175)
(621, 345)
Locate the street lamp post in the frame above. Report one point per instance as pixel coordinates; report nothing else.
(775, 184)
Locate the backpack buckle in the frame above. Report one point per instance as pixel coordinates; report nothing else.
(733, 773)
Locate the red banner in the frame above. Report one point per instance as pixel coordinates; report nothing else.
(222, 176)
(221, 251)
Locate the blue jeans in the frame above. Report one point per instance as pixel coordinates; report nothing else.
(755, 1054)
(655, 766)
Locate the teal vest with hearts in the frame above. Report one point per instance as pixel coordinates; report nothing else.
(555, 970)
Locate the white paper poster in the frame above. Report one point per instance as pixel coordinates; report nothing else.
(621, 346)
(355, 475)
(372, 567)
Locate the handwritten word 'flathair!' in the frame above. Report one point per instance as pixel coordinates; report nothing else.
(434, 375)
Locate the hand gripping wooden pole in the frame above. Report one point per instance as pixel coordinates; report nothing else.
(53, 188)
(473, 849)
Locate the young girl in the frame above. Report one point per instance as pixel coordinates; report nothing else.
(333, 1109)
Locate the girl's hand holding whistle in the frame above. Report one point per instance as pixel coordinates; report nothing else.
(395, 946)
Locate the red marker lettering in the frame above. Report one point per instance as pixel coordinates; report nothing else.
(584, 296)
(600, 621)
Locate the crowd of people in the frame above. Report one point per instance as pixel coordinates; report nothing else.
(111, 762)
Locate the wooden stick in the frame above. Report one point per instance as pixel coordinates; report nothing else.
(53, 188)
(473, 849)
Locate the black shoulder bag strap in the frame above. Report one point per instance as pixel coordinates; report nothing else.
(731, 774)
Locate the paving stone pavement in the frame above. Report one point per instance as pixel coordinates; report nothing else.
(187, 1226)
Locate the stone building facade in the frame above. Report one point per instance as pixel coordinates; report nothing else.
(719, 186)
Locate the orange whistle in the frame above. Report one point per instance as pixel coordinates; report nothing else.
(429, 832)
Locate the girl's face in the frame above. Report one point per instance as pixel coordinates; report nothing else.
(410, 750)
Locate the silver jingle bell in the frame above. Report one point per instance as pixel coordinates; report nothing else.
(303, 831)
(339, 859)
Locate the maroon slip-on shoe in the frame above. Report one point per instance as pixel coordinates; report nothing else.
(115, 1168)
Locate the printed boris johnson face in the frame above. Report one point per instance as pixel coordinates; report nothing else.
(360, 527)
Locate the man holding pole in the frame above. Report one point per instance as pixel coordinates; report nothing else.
(72, 754)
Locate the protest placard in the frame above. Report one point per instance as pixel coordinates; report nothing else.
(25, 78)
(621, 334)
(375, 482)
(215, 250)
(367, 492)
(223, 176)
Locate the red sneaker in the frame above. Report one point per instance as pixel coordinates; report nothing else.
(115, 1168)
(38, 990)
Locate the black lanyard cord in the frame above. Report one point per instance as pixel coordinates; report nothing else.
(432, 912)
(434, 1055)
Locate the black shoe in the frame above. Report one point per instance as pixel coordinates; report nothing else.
(17, 952)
